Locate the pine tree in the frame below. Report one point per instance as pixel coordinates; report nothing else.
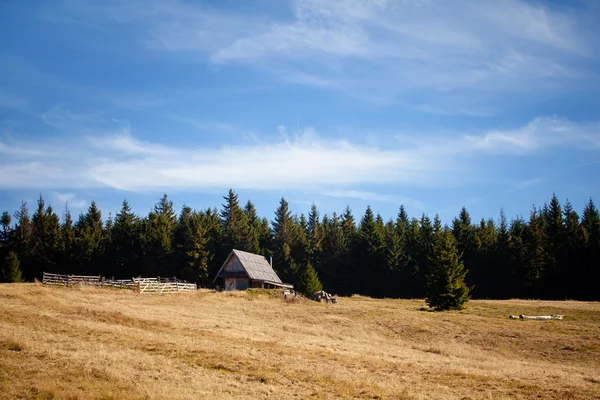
(158, 247)
(254, 229)
(235, 225)
(590, 225)
(127, 250)
(283, 241)
(190, 243)
(11, 271)
(335, 258)
(315, 232)
(394, 254)
(67, 234)
(369, 250)
(424, 240)
(554, 241)
(446, 287)
(301, 240)
(22, 240)
(500, 257)
(5, 221)
(468, 247)
(215, 251)
(534, 264)
(517, 258)
(570, 263)
(89, 241)
(309, 281)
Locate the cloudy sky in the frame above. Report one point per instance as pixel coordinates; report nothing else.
(431, 104)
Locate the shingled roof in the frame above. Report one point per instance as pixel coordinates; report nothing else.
(257, 266)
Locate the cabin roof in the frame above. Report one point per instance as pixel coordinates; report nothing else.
(257, 267)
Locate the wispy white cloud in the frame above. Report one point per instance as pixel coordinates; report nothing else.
(301, 161)
(539, 134)
(377, 48)
(69, 199)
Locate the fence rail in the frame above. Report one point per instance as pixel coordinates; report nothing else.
(154, 285)
(142, 285)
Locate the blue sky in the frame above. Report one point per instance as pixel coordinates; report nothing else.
(431, 104)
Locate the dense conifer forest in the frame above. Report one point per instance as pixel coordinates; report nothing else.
(554, 254)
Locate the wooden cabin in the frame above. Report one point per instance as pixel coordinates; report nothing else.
(242, 270)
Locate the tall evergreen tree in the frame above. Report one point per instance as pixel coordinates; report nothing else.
(590, 225)
(446, 287)
(283, 241)
(309, 282)
(315, 232)
(215, 251)
(127, 249)
(67, 235)
(333, 268)
(22, 240)
(158, 245)
(554, 241)
(236, 230)
(10, 270)
(534, 265)
(254, 230)
(190, 243)
(5, 222)
(370, 254)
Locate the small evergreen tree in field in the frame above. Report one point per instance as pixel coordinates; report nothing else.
(11, 271)
(446, 288)
(309, 281)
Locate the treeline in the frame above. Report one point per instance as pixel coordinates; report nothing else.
(554, 254)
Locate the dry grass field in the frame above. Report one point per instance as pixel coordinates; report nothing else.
(84, 343)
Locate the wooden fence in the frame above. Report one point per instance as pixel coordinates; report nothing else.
(141, 285)
(156, 285)
(69, 280)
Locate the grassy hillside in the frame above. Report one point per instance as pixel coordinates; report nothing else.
(100, 343)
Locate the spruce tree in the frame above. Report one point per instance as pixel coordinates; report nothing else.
(89, 231)
(590, 224)
(570, 263)
(67, 235)
(254, 229)
(5, 221)
(309, 282)
(369, 250)
(190, 243)
(159, 232)
(446, 287)
(315, 232)
(553, 243)
(283, 241)
(126, 242)
(534, 243)
(11, 271)
(394, 254)
(235, 225)
(22, 240)
(335, 269)
(215, 251)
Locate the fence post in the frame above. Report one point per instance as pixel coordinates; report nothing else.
(68, 280)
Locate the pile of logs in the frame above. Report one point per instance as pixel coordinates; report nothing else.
(323, 296)
(537, 317)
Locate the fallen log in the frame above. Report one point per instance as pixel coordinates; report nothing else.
(537, 317)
